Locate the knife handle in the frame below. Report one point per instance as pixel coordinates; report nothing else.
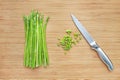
(103, 56)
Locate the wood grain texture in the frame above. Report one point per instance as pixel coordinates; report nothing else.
(100, 17)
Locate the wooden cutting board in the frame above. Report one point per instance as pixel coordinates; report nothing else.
(100, 17)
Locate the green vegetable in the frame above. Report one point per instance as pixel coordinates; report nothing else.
(68, 32)
(77, 37)
(35, 52)
(68, 40)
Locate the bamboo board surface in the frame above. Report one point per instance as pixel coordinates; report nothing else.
(100, 17)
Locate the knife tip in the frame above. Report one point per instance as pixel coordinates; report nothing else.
(71, 15)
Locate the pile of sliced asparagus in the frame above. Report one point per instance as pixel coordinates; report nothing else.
(35, 52)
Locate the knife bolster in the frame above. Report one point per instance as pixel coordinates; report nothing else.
(94, 45)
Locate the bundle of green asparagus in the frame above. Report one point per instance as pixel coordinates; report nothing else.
(35, 52)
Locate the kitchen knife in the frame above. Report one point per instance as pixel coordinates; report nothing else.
(92, 43)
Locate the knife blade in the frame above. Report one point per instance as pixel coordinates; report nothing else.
(92, 43)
